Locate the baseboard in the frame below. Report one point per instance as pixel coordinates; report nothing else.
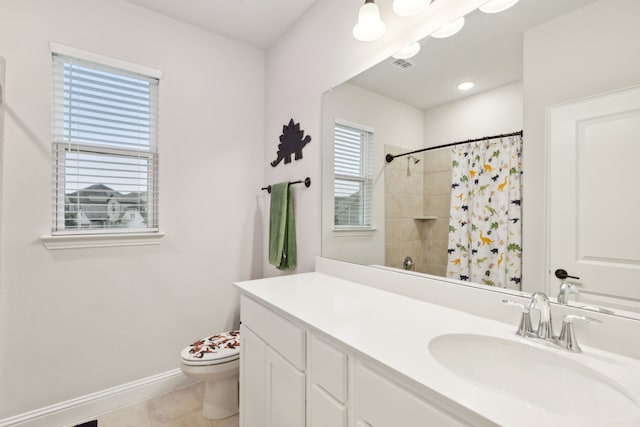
(76, 410)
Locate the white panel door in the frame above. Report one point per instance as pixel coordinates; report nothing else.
(594, 197)
(285, 393)
(252, 378)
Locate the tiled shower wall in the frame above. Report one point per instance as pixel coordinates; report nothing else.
(417, 198)
(403, 195)
(437, 199)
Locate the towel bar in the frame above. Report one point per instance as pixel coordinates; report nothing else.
(306, 181)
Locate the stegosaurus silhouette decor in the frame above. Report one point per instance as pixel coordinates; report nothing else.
(291, 142)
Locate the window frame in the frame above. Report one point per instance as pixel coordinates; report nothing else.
(62, 238)
(366, 178)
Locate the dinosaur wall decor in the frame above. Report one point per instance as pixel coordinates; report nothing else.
(292, 141)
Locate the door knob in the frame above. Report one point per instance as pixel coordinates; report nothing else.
(562, 274)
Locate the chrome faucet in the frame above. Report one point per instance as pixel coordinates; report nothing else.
(539, 301)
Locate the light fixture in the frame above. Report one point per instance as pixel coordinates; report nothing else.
(407, 51)
(466, 85)
(409, 7)
(449, 29)
(495, 6)
(369, 27)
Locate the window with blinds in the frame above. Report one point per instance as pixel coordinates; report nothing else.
(353, 173)
(105, 150)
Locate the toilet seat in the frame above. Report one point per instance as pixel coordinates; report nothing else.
(213, 350)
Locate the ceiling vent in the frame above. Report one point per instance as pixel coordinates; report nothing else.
(403, 64)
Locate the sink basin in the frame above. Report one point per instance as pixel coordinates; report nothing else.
(540, 378)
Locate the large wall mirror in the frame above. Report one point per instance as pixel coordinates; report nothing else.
(502, 211)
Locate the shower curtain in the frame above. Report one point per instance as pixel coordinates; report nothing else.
(485, 222)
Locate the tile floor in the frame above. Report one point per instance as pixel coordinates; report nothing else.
(181, 408)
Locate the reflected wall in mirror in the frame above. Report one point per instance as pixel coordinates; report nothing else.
(526, 64)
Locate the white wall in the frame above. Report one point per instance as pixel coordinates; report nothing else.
(487, 113)
(78, 321)
(590, 51)
(395, 124)
(316, 54)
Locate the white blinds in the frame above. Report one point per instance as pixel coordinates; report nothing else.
(105, 148)
(353, 170)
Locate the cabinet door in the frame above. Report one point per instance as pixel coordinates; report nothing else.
(252, 378)
(285, 396)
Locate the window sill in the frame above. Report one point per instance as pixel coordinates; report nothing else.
(79, 241)
(344, 232)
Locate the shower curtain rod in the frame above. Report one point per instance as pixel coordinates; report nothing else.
(390, 157)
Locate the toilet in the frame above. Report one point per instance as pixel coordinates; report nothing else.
(215, 360)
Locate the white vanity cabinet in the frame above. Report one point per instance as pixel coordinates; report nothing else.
(320, 351)
(295, 376)
(272, 369)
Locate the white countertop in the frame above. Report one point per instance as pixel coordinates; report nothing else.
(360, 317)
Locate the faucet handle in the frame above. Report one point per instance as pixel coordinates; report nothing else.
(568, 336)
(525, 329)
(571, 287)
(569, 318)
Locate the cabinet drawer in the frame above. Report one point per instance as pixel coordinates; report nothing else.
(279, 333)
(382, 403)
(329, 368)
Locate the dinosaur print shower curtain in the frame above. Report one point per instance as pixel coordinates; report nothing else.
(485, 223)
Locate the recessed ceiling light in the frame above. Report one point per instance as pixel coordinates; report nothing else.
(449, 29)
(496, 6)
(466, 85)
(407, 51)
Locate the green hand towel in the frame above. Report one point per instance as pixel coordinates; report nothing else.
(282, 228)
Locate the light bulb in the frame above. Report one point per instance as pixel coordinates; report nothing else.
(409, 7)
(449, 29)
(495, 6)
(369, 27)
(466, 85)
(407, 51)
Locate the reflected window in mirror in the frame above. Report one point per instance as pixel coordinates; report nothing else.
(353, 176)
